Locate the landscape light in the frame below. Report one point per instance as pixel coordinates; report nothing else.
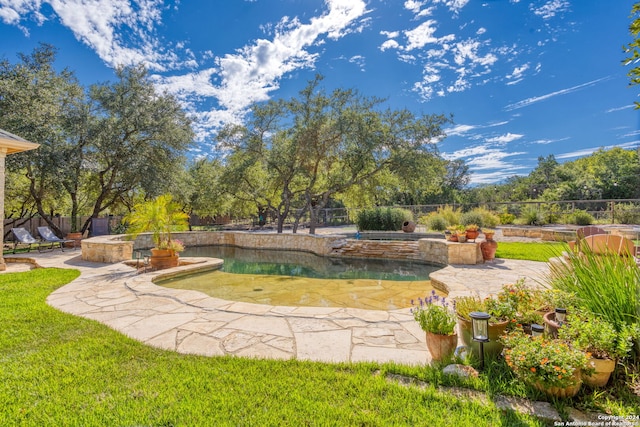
(480, 331)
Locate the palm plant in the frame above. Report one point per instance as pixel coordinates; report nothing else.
(159, 216)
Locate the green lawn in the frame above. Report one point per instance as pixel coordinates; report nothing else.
(57, 369)
(534, 251)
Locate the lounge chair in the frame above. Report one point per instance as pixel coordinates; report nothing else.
(23, 237)
(49, 237)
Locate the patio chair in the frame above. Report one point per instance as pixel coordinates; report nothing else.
(49, 237)
(23, 237)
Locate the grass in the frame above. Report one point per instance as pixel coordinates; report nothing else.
(58, 369)
(533, 251)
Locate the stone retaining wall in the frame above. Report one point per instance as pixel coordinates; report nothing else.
(111, 249)
(547, 234)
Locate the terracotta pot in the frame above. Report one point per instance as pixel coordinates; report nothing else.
(163, 258)
(441, 346)
(488, 249)
(603, 369)
(472, 234)
(453, 238)
(489, 236)
(409, 227)
(561, 392)
(493, 347)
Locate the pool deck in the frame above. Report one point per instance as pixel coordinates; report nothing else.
(195, 323)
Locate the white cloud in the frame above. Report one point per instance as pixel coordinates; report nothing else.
(454, 5)
(588, 151)
(251, 73)
(533, 100)
(413, 6)
(549, 141)
(550, 9)
(421, 35)
(467, 51)
(389, 44)
(460, 130)
(517, 74)
(504, 139)
(490, 160)
(626, 107)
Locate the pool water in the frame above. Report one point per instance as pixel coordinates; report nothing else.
(291, 278)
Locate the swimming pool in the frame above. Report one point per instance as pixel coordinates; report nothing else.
(290, 278)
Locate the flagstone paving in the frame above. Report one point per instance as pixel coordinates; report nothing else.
(192, 322)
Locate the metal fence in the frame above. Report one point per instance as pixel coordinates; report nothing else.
(621, 211)
(614, 211)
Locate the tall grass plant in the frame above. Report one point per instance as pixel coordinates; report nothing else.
(607, 285)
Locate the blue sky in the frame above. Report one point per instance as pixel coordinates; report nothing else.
(523, 78)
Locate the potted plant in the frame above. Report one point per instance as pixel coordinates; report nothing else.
(472, 231)
(501, 315)
(527, 304)
(461, 232)
(600, 341)
(551, 366)
(160, 216)
(439, 323)
(453, 233)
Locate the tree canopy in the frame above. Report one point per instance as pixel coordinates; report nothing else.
(97, 147)
(301, 153)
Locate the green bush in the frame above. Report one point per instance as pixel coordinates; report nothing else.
(436, 222)
(472, 217)
(627, 213)
(506, 218)
(551, 214)
(451, 215)
(489, 218)
(531, 216)
(383, 219)
(580, 217)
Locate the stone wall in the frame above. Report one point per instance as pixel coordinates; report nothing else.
(108, 249)
(113, 249)
(384, 249)
(546, 234)
(432, 251)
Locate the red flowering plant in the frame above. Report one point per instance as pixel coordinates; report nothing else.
(520, 303)
(538, 360)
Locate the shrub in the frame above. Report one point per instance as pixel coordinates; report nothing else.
(506, 218)
(531, 216)
(551, 214)
(451, 215)
(551, 363)
(606, 285)
(436, 222)
(627, 213)
(383, 219)
(489, 218)
(471, 217)
(580, 217)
